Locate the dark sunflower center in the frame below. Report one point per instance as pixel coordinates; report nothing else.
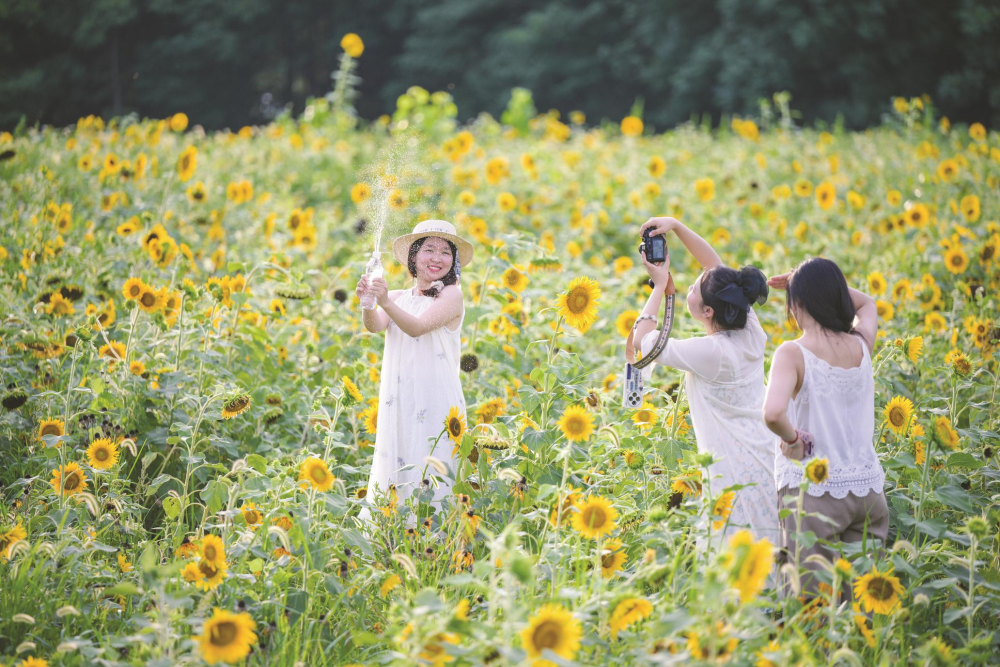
(578, 301)
(455, 427)
(594, 517)
(547, 635)
(50, 429)
(224, 633)
(101, 454)
(897, 416)
(148, 299)
(207, 569)
(72, 481)
(880, 588)
(210, 552)
(318, 475)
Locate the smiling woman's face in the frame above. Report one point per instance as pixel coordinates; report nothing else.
(434, 259)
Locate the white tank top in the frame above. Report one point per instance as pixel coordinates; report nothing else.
(837, 406)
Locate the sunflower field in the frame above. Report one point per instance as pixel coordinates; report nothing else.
(189, 398)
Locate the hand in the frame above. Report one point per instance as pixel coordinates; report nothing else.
(779, 282)
(380, 290)
(659, 272)
(801, 448)
(658, 226)
(362, 287)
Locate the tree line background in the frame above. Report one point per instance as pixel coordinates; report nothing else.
(239, 62)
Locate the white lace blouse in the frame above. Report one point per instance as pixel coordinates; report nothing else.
(837, 406)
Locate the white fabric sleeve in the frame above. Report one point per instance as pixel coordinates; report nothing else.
(696, 355)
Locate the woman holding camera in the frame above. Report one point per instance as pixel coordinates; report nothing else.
(724, 374)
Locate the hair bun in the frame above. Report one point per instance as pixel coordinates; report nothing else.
(754, 284)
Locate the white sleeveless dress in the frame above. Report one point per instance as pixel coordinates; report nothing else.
(724, 381)
(420, 385)
(837, 406)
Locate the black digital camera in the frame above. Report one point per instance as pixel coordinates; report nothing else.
(654, 247)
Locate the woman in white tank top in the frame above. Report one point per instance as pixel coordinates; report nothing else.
(821, 404)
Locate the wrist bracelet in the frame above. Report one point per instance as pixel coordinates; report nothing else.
(792, 441)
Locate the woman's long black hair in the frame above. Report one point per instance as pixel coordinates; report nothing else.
(449, 278)
(818, 287)
(732, 293)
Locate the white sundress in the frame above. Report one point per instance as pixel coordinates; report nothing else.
(724, 380)
(420, 384)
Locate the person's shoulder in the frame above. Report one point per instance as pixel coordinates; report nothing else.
(789, 351)
(452, 291)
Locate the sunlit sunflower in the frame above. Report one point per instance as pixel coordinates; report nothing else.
(826, 195)
(69, 480)
(898, 413)
(595, 517)
(251, 515)
(817, 470)
(213, 549)
(579, 303)
(625, 321)
(749, 562)
(54, 427)
(688, 485)
(390, 583)
(227, 637)
(352, 45)
(552, 627)
(102, 454)
(612, 558)
(236, 405)
(187, 163)
(205, 574)
(645, 417)
(914, 348)
(150, 299)
(351, 391)
(455, 424)
(370, 418)
(629, 612)
(955, 260)
(514, 279)
(317, 474)
(878, 592)
(576, 423)
(722, 509)
(877, 283)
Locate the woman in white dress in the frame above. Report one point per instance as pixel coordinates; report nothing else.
(724, 375)
(420, 364)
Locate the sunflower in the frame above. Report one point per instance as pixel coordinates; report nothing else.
(722, 509)
(514, 279)
(818, 470)
(628, 612)
(197, 192)
(455, 424)
(955, 260)
(251, 515)
(749, 562)
(115, 351)
(317, 474)
(578, 304)
(69, 480)
(947, 170)
(612, 558)
(885, 309)
(54, 427)
(944, 433)
(688, 485)
(352, 45)
(877, 283)
(187, 163)
(826, 195)
(645, 417)
(595, 517)
(879, 592)
(552, 627)
(33, 662)
(11, 537)
(914, 348)
(213, 549)
(917, 215)
(391, 582)
(576, 423)
(205, 574)
(657, 166)
(370, 417)
(625, 322)
(351, 392)
(398, 200)
(150, 300)
(227, 637)
(102, 454)
(898, 413)
(631, 126)
(960, 363)
(236, 405)
(705, 189)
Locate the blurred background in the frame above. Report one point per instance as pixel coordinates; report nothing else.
(241, 62)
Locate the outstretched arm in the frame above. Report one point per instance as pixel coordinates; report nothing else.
(374, 320)
(447, 306)
(703, 253)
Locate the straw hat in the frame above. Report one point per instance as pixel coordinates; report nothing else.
(441, 229)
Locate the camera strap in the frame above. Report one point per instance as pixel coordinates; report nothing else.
(632, 388)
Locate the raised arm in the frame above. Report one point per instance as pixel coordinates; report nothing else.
(447, 306)
(703, 253)
(375, 320)
(866, 317)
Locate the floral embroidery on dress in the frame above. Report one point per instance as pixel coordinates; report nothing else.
(421, 415)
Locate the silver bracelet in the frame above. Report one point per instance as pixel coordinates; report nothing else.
(642, 317)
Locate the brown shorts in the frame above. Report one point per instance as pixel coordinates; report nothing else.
(852, 519)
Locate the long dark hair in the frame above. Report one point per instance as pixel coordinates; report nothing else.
(818, 286)
(449, 278)
(732, 293)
